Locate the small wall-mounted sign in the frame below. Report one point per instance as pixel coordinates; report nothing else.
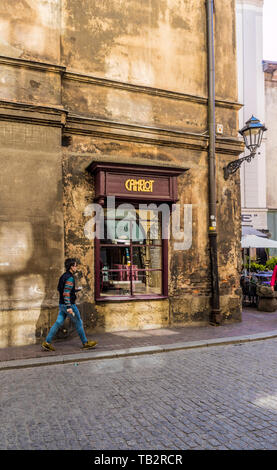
(256, 218)
(219, 128)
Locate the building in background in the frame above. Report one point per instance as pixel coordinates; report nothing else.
(270, 75)
(257, 87)
(251, 93)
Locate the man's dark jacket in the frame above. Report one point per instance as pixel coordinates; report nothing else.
(60, 287)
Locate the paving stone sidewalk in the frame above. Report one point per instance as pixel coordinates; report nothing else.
(254, 325)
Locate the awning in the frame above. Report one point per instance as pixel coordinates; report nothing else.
(252, 241)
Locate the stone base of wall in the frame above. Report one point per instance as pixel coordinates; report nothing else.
(23, 327)
(188, 309)
(193, 310)
(230, 309)
(135, 315)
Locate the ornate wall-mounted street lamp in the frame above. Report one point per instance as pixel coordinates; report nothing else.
(252, 134)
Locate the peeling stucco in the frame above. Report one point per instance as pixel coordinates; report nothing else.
(117, 81)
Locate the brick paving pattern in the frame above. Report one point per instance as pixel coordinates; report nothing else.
(222, 397)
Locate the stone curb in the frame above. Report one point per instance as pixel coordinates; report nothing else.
(94, 355)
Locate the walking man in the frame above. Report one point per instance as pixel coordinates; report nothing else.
(67, 306)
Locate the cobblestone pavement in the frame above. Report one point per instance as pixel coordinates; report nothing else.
(222, 397)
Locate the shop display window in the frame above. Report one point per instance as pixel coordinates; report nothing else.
(131, 259)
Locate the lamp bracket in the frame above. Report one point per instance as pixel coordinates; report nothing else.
(233, 166)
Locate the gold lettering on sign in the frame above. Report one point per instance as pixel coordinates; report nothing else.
(145, 186)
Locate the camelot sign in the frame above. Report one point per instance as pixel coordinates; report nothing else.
(135, 182)
(139, 185)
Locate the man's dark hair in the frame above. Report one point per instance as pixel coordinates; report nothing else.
(69, 262)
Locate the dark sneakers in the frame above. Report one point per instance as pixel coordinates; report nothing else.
(89, 345)
(47, 346)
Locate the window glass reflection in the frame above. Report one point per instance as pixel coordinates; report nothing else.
(147, 257)
(113, 283)
(147, 282)
(131, 254)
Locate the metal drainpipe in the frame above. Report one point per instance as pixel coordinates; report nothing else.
(215, 316)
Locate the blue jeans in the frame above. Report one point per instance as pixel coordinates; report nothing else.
(60, 320)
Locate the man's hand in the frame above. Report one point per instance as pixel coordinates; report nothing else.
(70, 311)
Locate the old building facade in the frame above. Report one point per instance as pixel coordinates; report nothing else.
(270, 74)
(251, 92)
(103, 99)
(258, 95)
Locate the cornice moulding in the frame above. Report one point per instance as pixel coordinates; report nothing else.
(128, 132)
(32, 114)
(31, 106)
(149, 135)
(104, 82)
(31, 64)
(72, 124)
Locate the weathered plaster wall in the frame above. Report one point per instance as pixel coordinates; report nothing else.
(31, 226)
(150, 43)
(35, 84)
(189, 270)
(157, 44)
(225, 50)
(30, 29)
(229, 236)
(31, 229)
(146, 43)
(106, 100)
(125, 82)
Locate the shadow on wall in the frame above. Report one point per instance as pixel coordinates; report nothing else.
(24, 276)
